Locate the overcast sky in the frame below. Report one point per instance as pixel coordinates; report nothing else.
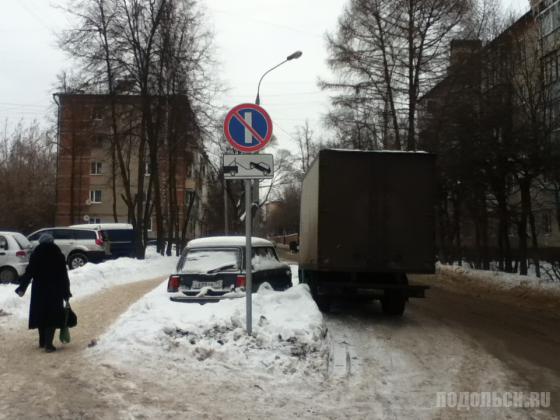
(250, 35)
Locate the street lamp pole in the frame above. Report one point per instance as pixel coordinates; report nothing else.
(292, 56)
(248, 219)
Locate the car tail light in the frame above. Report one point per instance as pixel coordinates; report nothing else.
(173, 283)
(21, 254)
(240, 281)
(100, 239)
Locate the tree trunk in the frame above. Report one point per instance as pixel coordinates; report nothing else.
(457, 227)
(484, 234)
(535, 244)
(504, 242)
(524, 189)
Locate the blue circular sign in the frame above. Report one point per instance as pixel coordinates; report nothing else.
(248, 128)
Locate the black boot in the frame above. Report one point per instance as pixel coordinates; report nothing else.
(49, 336)
(41, 338)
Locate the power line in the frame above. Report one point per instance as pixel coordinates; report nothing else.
(34, 16)
(268, 23)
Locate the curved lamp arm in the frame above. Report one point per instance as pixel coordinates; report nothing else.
(292, 56)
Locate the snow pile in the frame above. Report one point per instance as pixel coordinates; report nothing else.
(288, 334)
(91, 278)
(502, 280)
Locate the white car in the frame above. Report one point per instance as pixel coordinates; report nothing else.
(14, 256)
(78, 245)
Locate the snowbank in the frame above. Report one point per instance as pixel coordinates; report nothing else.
(288, 334)
(501, 280)
(91, 278)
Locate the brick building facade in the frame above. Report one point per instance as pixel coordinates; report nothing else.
(89, 185)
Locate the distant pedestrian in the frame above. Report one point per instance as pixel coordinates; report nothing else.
(50, 288)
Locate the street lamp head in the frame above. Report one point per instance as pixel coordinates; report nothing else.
(295, 55)
(292, 56)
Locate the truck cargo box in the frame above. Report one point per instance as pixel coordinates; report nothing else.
(368, 211)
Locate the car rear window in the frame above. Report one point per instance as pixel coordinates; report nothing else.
(119, 235)
(209, 260)
(22, 241)
(37, 235)
(84, 234)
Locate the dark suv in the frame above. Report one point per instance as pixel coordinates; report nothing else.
(119, 237)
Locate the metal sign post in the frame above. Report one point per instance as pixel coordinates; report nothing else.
(248, 257)
(248, 128)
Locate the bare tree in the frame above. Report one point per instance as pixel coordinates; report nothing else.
(307, 146)
(27, 178)
(389, 52)
(161, 50)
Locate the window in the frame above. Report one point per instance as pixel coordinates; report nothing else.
(550, 64)
(63, 234)
(208, 260)
(37, 235)
(21, 240)
(100, 140)
(97, 113)
(3, 243)
(84, 234)
(95, 196)
(119, 235)
(263, 252)
(96, 168)
(149, 224)
(546, 222)
(94, 220)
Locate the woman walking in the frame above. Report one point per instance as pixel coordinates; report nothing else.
(50, 288)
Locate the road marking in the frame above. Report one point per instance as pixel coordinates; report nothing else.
(340, 360)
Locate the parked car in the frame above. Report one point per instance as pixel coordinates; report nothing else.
(215, 266)
(119, 237)
(14, 256)
(78, 245)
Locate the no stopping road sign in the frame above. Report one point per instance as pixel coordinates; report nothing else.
(248, 128)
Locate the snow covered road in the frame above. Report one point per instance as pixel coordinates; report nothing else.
(455, 341)
(396, 368)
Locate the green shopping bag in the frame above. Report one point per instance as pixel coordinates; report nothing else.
(64, 335)
(65, 330)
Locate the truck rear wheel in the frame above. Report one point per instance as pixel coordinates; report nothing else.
(309, 278)
(393, 304)
(323, 303)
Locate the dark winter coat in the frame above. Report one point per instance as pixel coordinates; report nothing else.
(50, 288)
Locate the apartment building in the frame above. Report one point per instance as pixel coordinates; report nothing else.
(93, 168)
(479, 112)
